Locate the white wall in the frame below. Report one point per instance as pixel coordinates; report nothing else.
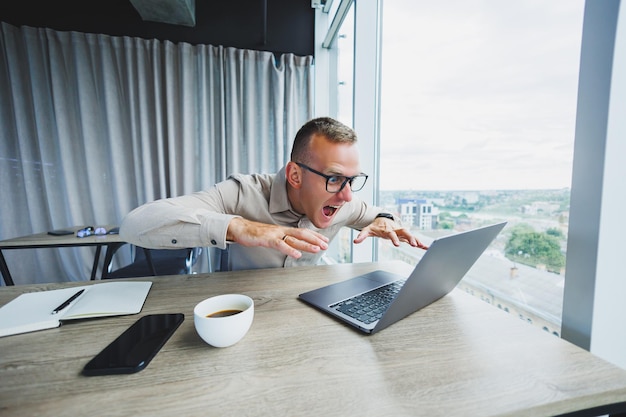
(594, 302)
(608, 337)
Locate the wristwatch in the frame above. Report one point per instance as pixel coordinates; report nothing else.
(386, 216)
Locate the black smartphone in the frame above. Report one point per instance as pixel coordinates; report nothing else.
(134, 349)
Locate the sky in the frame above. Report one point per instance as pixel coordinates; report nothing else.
(480, 94)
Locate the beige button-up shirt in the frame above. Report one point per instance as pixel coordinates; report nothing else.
(201, 220)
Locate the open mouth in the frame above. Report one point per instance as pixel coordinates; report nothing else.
(330, 210)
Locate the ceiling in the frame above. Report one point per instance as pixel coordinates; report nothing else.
(279, 26)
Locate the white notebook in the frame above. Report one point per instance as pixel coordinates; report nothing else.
(34, 311)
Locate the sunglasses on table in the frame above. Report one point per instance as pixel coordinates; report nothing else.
(90, 230)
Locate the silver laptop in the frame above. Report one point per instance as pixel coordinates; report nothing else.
(373, 301)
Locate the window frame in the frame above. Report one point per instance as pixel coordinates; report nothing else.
(366, 90)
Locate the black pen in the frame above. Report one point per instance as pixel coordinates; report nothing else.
(67, 302)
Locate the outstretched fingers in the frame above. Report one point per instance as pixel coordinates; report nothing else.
(302, 240)
(396, 236)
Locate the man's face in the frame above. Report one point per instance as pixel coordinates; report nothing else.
(329, 158)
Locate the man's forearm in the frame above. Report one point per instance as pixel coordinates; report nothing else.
(163, 224)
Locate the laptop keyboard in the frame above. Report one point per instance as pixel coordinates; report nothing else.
(370, 306)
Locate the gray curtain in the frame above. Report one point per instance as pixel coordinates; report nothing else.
(92, 126)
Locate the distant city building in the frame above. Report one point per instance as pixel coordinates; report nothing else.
(418, 212)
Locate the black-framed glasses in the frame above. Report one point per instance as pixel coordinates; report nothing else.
(336, 183)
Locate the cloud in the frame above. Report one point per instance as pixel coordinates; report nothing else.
(480, 94)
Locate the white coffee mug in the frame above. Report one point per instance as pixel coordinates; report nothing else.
(223, 320)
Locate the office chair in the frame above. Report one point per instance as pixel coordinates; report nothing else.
(152, 262)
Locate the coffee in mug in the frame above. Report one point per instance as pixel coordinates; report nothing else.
(223, 320)
(224, 313)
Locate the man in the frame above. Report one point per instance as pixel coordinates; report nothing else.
(284, 219)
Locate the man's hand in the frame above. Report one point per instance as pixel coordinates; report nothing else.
(388, 229)
(289, 240)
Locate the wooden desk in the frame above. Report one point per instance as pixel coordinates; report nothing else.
(457, 357)
(44, 240)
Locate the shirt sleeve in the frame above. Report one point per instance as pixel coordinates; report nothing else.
(196, 220)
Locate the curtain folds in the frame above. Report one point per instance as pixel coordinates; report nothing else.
(92, 126)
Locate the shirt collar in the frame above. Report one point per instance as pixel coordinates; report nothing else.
(279, 202)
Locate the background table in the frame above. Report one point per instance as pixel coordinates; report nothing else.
(45, 240)
(457, 357)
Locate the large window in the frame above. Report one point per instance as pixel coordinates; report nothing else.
(477, 126)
